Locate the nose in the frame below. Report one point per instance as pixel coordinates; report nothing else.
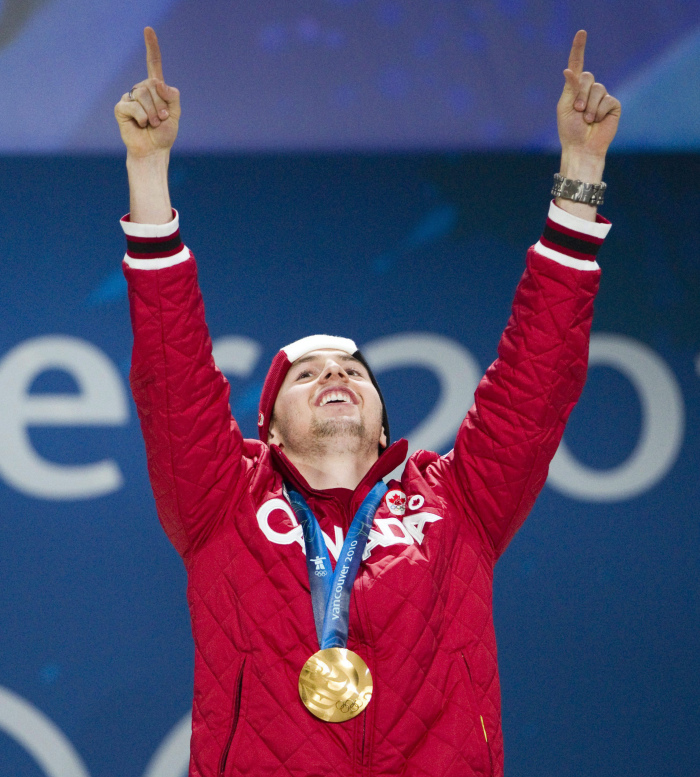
(331, 370)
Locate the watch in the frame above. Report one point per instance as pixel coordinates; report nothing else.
(578, 191)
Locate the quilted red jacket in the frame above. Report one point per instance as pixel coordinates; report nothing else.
(421, 611)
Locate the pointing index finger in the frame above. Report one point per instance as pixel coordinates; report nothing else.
(153, 60)
(576, 55)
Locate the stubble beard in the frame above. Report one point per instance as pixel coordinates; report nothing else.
(330, 435)
(337, 427)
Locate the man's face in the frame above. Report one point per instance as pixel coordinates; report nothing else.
(327, 398)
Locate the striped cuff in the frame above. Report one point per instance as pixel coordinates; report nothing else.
(572, 241)
(153, 246)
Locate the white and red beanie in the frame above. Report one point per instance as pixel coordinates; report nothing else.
(284, 359)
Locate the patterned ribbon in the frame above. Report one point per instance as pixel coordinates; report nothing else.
(330, 592)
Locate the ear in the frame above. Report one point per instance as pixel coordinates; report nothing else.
(382, 438)
(273, 436)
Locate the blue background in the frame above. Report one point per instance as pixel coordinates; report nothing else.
(596, 603)
(307, 191)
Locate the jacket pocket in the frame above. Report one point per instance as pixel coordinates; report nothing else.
(235, 713)
(478, 717)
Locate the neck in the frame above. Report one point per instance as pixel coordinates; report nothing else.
(339, 470)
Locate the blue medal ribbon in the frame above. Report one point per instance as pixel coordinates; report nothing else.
(330, 590)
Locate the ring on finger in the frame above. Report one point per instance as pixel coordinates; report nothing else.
(131, 93)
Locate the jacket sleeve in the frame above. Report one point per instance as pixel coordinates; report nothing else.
(193, 446)
(505, 444)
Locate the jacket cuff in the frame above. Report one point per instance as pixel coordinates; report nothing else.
(572, 241)
(153, 246)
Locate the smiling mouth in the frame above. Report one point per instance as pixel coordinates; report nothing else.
(336, 397)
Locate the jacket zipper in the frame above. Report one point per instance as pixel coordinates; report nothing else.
(361, 634)
(362, 743)
(488, 745)
(481, 717)
(234, 722)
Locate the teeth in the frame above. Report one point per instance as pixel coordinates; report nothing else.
(335, 396)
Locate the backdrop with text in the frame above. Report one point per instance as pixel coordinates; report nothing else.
(415, 258)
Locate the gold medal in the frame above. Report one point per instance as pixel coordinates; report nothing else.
(335, 685)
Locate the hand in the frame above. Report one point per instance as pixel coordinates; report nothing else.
(587, 117)
(148, 120)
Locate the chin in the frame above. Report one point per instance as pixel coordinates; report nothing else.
(339, 427)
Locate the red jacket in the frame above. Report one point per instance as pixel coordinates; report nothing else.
(421, 611)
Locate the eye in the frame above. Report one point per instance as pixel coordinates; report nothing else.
(303, 374)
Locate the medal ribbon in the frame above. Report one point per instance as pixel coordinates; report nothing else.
(330, 593)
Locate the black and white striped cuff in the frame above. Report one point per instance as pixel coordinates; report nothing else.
(572, 241)
(154, 246)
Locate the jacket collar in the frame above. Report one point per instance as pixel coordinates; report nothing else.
(387, 461)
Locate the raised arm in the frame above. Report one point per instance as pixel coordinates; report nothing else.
(195, 450)
(148, 117)
(587, 119)
(504, 447)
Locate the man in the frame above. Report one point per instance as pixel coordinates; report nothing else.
(406, 679)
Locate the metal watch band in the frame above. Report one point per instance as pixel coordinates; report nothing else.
(578, 191)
